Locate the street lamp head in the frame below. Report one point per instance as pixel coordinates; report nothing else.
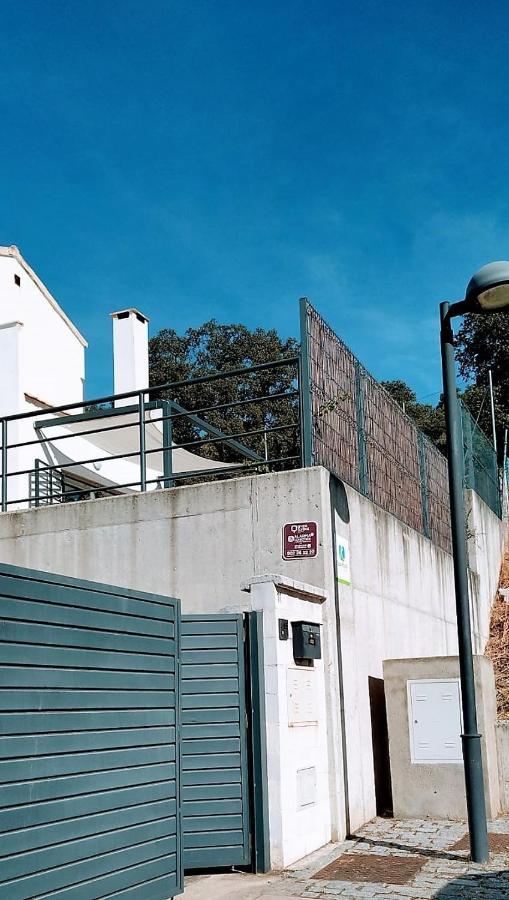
(488, 290)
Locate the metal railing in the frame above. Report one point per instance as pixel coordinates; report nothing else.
(481, 467)
(215, 426)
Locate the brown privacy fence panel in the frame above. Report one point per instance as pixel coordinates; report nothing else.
(436, 481)
(392, 449)
(363, 436)
(333, 375)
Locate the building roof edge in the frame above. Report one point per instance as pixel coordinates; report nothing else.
(14, 253)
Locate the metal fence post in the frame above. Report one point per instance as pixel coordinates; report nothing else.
(167, 444)
(306, 410)
(4, 465)
(143, 458)
(499, 487)
(37, 486)
(253, 623)
(423, 477)
(361, 431)
(468, 447)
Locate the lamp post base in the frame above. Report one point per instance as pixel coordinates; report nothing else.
(476, 808)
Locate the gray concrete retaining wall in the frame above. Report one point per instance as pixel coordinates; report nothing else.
(199, 543)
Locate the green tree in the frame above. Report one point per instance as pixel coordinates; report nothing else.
(428, 418)
(214, 348)
(482, 344)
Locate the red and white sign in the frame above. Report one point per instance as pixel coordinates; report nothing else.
(300, 540)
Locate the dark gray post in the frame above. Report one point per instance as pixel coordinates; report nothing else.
(423, 475)
(306, 412)
(468, 444)
(4, 465)
(361, 430)
(37, 481)
(471, 739)
(143, 455)
(167, 443)
(258, 741)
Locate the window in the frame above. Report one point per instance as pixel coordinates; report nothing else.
(17, 280)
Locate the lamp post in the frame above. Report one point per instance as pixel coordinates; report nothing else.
(487, 292)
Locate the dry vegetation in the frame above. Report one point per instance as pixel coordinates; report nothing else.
(497, 647)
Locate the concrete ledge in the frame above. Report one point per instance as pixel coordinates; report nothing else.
(290, 586)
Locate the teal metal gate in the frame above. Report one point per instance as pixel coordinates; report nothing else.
(215, 765)
(89, 761)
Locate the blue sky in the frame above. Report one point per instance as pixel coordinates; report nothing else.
(220, 159)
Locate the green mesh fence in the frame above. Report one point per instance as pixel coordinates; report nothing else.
(481, 468)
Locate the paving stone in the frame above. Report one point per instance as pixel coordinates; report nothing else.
(498, 841)
(446, 872)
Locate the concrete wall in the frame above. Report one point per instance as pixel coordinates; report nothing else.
(503, 765)
(436, 788)
(201, 542)
(400, 603)
(485, 545)
(197, 543)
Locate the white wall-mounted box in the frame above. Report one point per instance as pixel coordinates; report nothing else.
(301, 693)
(434, 720)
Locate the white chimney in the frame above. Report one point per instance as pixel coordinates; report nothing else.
(130, 353)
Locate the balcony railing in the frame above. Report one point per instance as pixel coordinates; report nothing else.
(212, 427)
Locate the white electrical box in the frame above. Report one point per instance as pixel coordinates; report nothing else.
(301, 696)
(434, 718)
(306, 787)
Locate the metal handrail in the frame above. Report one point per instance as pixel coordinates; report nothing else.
(170, 413)
(166, 386)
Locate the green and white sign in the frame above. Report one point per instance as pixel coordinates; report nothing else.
(343, 561)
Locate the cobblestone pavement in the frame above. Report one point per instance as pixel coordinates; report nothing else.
(445, 875)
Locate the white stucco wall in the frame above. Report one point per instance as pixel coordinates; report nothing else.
(199, 543)
(11, 387)
(130, 353)
(53, 367)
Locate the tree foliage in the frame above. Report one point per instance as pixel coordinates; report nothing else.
(483, 344)
(429, 419)
(213, 348)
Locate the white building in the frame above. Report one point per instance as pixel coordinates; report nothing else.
(42, 366)
(42, 359)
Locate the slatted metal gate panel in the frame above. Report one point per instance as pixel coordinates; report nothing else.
(89, 768)
(215, 789)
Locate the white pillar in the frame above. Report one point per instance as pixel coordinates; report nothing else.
(130, 353)
(296, 722)
(12, 401)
